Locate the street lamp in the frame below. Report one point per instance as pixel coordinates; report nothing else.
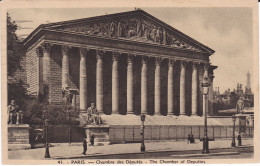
(68, 111)
(142, 127)
(47, 153)
(205, 84)
(233, 144)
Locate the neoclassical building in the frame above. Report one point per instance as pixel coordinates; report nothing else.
(125, 63)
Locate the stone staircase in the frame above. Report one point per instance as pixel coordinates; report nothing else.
(131, 119)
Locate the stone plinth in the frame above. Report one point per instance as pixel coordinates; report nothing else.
(101, 133)
(18, 136)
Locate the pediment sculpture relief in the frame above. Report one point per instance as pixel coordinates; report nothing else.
(137, 29)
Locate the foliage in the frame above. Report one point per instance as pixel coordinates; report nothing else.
(17, 91)
(13, 59)
(56, 114)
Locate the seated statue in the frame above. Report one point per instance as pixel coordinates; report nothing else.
(13, 113)
(93, 115)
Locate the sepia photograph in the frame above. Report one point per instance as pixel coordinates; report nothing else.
(137, 84)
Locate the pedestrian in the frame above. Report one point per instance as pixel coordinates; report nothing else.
(192, 139)
(239, 139)
(92, 139)
(84, 145)
(189, 138)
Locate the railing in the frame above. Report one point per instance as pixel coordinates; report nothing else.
(127, 134)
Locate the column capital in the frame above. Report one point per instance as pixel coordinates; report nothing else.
(65, 49)
(130, 58)
(115, 55)
(183, 63)
(39, 52)
(144, 59)
(46, 47)
(195, 65)
(83, 51)
(158, 61)
(171, 62)
(100, 52)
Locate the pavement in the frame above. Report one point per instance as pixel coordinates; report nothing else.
(64, 151)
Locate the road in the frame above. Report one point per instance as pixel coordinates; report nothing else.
(174, 155)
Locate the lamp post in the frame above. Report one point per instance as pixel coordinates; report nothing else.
(69, 133)
(233, 144)
(142, 127)
(47, 153)
(205, 84)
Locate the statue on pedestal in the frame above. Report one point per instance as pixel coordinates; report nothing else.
(240, 105)
(93, 115)
(67, 96)
(13, 113)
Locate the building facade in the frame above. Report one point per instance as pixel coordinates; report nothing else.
(125, 63)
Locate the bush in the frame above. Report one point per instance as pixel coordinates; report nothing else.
(36, 112)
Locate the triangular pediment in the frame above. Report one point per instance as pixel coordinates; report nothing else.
(135, 26)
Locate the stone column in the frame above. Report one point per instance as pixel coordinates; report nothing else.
(157, 87)
(83, 79)
(65, 66)
(182, 88)
(130, 86)
(194, 96)
(170, 110)
(46, 48)
(39, 72)
(115, 84)
(99, 81)
(144, 85)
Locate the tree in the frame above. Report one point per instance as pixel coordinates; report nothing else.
(13, 59)
(17, 91)
(57, 115)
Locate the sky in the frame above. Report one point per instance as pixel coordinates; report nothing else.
(228, 31)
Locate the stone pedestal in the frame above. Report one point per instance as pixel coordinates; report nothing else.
(101, 133)
(18, 136)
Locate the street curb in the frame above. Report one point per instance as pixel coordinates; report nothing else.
(207, 154)
(188, 152)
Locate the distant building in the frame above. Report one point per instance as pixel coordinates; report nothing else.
(248, 96)
(228, 99)
(248, 84)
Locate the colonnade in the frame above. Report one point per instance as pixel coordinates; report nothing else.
(130, 84)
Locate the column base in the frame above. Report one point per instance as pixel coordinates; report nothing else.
(130, 113)
(115, 113)
(171, 114)
(182, 115)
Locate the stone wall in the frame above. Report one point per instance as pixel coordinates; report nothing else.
(31, 71)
